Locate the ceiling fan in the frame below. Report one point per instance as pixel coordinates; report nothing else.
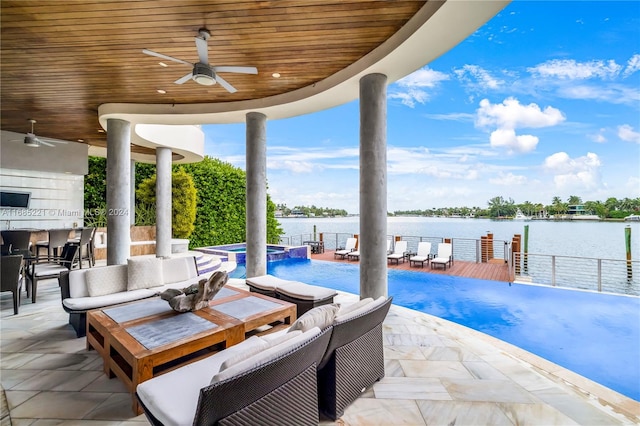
(31, 140)
(202, 72)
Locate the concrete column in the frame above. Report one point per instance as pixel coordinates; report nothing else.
(132, 215)
(256, 213)
(118, 191)
(373, 186)
(163, 202)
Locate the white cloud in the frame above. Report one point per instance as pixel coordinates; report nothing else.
(510, 114)
(411, 89)
(626, 133)
(479, 77)
(507, 138)
(571, 70)
(598, 137)
(574, 173)
(633, 65)
(509, 179)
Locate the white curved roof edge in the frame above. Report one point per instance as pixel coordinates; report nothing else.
(434, 30)
(185, 141)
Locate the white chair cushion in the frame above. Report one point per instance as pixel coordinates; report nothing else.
(265, 356)
(321, 317)
(361, 310)
(248, 353)
(345, 309)
(78, 284)
(144, 272)
(173, 397)
(178, 269)
(106, 280)
(266, 282)
(302, 291)
(89, 302)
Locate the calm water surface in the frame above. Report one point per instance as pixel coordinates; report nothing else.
(602, 240)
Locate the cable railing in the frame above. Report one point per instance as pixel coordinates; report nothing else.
(585, 273)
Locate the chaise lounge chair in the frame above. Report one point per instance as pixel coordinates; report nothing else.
(398, 252)
(423, 255)
(444, 256)
(349, 247)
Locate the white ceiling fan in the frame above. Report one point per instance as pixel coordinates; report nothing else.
(202, 72)
(31, 140)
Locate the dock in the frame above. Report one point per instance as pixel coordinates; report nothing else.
(495, 269)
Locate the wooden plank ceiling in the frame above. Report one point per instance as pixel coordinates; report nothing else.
(61, 60)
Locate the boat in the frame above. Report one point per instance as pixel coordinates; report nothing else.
(632, 218)
(521, 216)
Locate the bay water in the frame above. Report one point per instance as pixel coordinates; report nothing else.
(592, 239)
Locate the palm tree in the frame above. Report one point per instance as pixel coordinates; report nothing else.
(574, 200)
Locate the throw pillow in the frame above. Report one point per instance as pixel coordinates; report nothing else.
(321, 317)
(350, 308)
(277, 338)
(107, 280)
(248, 353)
(144, 272)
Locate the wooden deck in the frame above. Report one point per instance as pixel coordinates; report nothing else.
(495, 270)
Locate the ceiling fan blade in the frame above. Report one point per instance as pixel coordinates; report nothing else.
(184, 79)
(48, 141)
(225, 84)
(160, 55)
(241, 70)
(41, 142)
(203, 50)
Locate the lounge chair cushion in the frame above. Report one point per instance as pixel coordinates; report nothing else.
(321, 317)
(103, 281)
(265, 356)
(302, 291)
(345, 309)
(280, 336)
(266, 282)
(361, 310)
(144, 272)
(77, 284)
(180, 388)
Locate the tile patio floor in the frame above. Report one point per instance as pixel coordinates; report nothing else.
(437, 373)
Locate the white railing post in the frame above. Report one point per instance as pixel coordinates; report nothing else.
(600, 275)
(553, 271)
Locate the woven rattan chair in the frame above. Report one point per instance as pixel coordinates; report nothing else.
(46, 267)
(354, 361)
(282, 391)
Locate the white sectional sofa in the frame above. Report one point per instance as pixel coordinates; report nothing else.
(141, 277)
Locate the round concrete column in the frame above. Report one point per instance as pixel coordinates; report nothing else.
(373, 186)
(132, 198)
(256, 194)
(163, 202)
(118, 191)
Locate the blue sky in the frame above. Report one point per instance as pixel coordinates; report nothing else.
(542, 101)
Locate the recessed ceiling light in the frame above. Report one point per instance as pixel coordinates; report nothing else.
(162, 64)
(100, 130)
(80, 140)
(275, 75)
(162, 92)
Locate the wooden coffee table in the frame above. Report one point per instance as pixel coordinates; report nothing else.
(143, 339)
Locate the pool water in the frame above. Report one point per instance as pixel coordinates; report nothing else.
(595, 335)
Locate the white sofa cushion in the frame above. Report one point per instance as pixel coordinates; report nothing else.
(345, 309)
(173, 397)
(77, 283)
(106, 280)
(321, 317)
(144, 272)
(178, 269)
(89, 302)
(362, 309)
(265, 356)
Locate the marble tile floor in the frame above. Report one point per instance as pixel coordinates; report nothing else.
(437, 373)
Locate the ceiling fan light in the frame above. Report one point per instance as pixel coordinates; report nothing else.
(205, 80)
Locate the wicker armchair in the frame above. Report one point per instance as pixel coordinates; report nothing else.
(282, 391)
(354, 360)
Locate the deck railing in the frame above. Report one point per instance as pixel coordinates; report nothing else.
(603, 275)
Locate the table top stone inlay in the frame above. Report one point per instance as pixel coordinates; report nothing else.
(158, 333)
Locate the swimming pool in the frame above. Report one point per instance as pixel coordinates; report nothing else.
(595, 335)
